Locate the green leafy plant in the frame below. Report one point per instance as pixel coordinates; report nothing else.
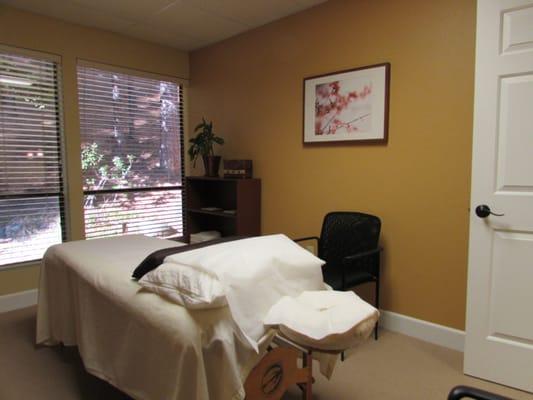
(202, 144)
(102, 173)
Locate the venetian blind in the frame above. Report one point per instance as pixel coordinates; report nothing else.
(132, 139)
(31, 192)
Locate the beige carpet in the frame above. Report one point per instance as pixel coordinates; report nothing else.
(394, 367)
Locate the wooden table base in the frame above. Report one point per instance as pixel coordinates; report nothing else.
(278, 370)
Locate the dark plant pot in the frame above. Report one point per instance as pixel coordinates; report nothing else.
(211, 165)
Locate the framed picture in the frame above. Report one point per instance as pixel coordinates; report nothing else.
(347, 106)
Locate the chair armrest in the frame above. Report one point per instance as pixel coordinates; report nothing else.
(363, 254)
(461, 392)
(307, 238)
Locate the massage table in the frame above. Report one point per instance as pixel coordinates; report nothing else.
(148, 347)
(140, 343)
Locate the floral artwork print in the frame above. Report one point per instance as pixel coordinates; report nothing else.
(343, 107)
(347, 106)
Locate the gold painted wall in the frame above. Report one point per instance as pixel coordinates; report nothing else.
(38, 33)
(251, 87)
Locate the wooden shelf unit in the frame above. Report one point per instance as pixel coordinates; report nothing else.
(241, 195)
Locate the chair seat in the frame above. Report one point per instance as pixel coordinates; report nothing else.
(353, 278)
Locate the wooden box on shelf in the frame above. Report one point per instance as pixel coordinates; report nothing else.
(230, 206)
(238, 169)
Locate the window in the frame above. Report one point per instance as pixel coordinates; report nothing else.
(131, 155)
(31, 192)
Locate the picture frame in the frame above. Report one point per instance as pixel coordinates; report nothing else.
(347, 106)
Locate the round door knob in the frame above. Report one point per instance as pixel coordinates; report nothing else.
(483, 211)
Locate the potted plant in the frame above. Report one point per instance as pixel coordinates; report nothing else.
(202, 145)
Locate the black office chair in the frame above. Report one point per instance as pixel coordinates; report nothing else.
(466, 392)
(349, 245)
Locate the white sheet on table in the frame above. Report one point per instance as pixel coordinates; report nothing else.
(144, 345)
(255, 274)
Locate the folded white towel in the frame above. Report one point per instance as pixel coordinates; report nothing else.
(324, 320)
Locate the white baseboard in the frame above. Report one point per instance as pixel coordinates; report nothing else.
(14, 301)
(423, 330)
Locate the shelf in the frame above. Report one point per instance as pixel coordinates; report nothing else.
(219, 179)
(241, 195)
(217, 213)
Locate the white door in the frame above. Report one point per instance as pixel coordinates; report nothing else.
(499, 328)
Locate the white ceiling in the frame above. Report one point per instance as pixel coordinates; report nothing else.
(183, 24)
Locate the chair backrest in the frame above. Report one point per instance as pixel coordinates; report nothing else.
(345, 233)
